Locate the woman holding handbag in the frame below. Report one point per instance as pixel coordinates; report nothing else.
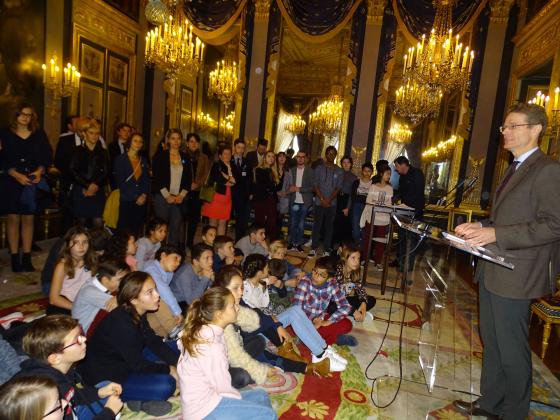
(220, 178)
(133, 182)
(172, 182)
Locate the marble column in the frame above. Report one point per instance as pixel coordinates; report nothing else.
(255, 84)
(368, 70)
(488, 87)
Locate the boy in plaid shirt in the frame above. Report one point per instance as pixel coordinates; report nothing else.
(314, 293)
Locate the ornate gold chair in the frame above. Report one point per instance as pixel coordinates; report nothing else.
(548, 310)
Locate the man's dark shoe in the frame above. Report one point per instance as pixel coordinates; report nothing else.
(394, 263)
(473, 408)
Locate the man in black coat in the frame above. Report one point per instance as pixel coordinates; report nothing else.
(411, 193)
(240, 192)
(255, 157)
(117, 147)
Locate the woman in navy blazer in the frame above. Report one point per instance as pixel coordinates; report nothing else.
(133, 181)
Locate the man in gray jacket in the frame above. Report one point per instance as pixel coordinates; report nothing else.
(301, 198)
(524, 224)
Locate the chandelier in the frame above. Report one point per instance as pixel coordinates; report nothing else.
(442, 63)
(327, 118)
(173, 48)
(226, 124)
(416, 102)
(295, 124)
(400, 133)
(223, 80)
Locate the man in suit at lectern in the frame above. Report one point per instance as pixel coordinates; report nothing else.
(524, 226)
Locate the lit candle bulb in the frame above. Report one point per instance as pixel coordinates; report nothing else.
(556, 94)
(44, 67)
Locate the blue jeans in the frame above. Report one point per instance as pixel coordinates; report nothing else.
(297, 220)
(356, 214)
(88, 412)
(148, 387)
(303, 328)
(254, 404)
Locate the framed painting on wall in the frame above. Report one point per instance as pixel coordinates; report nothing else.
(457, 217)
(116, 111)
(92, 62)
(185, 111)
(91, 100)
(118, 72)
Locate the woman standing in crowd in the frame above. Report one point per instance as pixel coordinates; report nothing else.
(379, 193)
(198, 165)
(172, 181)
(221, 177)
(284, 182)
(118, 349)
(265, 188)
(133, 181)
(89, 168)
(357, 202)
(26, 154)
(343, 229)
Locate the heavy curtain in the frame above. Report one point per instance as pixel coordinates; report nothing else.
(214, 20)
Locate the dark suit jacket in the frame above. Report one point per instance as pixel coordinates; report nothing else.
(130, 187)
(216, 178)
(526, 217)
(411, 189)
(307, 186)
(162, 172)
(243, 178)
(62, 156)
(252, 159)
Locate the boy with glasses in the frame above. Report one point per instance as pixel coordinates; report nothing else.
(314, 293)
(54, 344)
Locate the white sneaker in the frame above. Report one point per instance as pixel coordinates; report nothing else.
(337, 356)
(335, 364)
(369, 316)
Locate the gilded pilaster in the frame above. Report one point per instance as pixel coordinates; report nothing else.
(499, 10)
(375, 10)
(262, 9)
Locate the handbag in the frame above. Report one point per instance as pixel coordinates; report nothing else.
(112, 204)
(207, 191)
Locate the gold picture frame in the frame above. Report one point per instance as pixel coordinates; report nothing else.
(457, 217)
(118, 72)
(116, 111)
(91, 100)
(92, 63)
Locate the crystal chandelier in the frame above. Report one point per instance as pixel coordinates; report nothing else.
(156, 12)
(440, 152)
(442, 63)
(173, 47)
(226, 124)
(295, 124)
(416, 102)
(400, 133)
(223, 81)
(327, 118)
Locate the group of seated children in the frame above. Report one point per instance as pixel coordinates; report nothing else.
(142, 351)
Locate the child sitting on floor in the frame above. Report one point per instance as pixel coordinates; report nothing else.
(279, 250)
(77, 263)
(204, 379)
(314, 294)
(122, 247)
(147, 246)
(32, 398)
(191, 280)
(254, 242)
(96, 294)
(348, 276)
(54, 344)
(224, 253)
(209, 235)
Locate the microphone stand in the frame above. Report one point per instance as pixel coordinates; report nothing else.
(470, 183)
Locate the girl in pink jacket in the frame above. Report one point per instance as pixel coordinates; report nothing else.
(204, 379)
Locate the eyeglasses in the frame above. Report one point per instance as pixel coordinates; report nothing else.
(503, 128)
(80, 339)
(322, 275)
(59, 407)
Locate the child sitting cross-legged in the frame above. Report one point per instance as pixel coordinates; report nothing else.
(169, 313)
(54, 344)
(255, 295)
(224, 253)
(97, 294)
(348, 278)
(204, 378)
(191, 280)
(123, 348)
(147, 246)
(314, 294)
(279, 250)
